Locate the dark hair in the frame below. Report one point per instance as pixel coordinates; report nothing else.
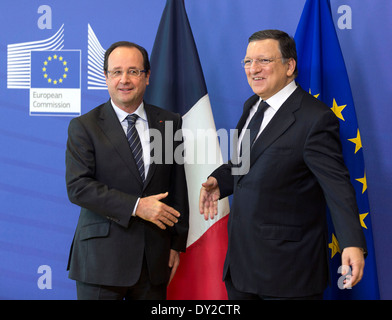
(146, 62)
(286, 43)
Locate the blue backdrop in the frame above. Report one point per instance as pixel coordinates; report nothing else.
(37, 221)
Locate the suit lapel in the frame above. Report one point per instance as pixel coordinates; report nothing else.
(110, 125)
(245, 113)
(154, 122)
(278, 125)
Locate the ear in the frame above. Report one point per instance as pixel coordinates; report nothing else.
(291, 67)
(148, 77)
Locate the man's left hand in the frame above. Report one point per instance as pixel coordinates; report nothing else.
(354, 258)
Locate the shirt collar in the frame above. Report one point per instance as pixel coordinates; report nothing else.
(276, 101)
(121, 114)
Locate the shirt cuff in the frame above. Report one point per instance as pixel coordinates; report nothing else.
(134, 209)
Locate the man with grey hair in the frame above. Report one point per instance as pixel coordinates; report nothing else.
(277, 225)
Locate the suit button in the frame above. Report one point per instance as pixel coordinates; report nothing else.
(239, 185)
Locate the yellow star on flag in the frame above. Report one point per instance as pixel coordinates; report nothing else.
(338, 109)
(334, 246)
(315, 95)
(363, 181)
(361, 218)
(357, 141)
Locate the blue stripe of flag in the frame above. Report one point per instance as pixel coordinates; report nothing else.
(177, 80)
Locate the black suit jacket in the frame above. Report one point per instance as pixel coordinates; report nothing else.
(277, 225)
(102, 179)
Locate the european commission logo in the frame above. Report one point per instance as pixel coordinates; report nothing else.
(55, 82)
(52, 74)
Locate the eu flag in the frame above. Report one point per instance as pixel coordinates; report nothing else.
(323, 72)
(55, 69)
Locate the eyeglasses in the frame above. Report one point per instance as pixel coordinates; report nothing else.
(247, 63)
(135, 73)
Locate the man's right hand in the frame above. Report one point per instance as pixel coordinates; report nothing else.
(153, 210)
(209, 196)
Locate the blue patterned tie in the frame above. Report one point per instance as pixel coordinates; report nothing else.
(135, 144)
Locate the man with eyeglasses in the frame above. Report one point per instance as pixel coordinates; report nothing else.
(277, 225)
(134, 210)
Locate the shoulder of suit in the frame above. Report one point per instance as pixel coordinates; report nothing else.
(106, 107)
(311, 103)
(312, 110)
(93, 113)
(165, 114)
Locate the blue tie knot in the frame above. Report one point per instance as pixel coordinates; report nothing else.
(131, 118)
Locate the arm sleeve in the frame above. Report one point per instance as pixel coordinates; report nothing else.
(225, 179)
(323, 155)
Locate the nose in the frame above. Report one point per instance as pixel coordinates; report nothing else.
(124, 77)
(255, 67)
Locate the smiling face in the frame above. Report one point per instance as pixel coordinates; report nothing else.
(266, 80)
(126, 91)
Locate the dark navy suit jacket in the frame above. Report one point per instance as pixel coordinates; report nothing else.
(102, 178)
(277, 224)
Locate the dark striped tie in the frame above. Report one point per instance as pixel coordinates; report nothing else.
(135, 144)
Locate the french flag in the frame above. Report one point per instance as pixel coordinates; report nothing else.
(177, 84)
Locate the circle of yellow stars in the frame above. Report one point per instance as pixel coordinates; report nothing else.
(58, 59)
